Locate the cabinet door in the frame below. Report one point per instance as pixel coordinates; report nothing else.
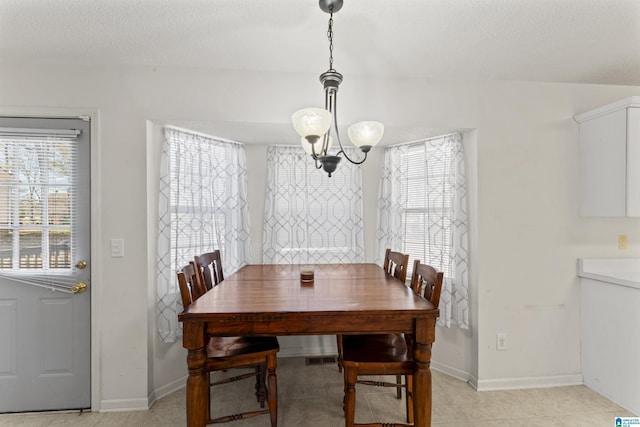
(603, 165)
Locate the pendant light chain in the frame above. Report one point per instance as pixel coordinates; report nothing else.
(330, 37)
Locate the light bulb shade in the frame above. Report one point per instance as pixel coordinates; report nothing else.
(307, 145)
(311, 121)
(363, 134)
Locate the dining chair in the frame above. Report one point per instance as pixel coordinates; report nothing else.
(223, 353)
(390, 354)
(395, 264)
(209, 265)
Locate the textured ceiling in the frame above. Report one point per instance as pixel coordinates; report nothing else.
(581, 41)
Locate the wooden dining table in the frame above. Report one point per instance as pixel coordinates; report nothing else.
(271, 300)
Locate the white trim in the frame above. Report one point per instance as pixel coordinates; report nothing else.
(124, 405)
(527, 382)
(419, 141)
(473, 382)
(307, 345)
(167, 389)
(306, 351)
(451, 371)
(615, 271)
(633, 101)
(196, 133)
(614, 399)
(96, 254)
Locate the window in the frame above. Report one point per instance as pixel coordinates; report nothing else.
(427, 214)
(36, 183)
(310, 217)
(422, 212)
(202, 206)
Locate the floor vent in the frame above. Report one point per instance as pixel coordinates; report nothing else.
(325, 360)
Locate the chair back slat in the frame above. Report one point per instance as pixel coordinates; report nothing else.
(396, 263)
(185, 290)
(209, 266)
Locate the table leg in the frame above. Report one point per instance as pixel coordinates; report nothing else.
(198, 380)
(422, 399)
(197, 389)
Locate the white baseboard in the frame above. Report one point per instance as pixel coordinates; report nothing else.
(303, 346)
(306, 352)
(180, 383)
(509, 383)
(615, 399)
(124, 405)
(473, 381)
(167, 389)
(527, 382)
(451, 371)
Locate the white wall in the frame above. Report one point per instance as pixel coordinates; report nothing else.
(528, 232)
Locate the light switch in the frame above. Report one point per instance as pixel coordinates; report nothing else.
(117, 248)
(501, 342)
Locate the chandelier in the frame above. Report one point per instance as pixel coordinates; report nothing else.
(314, 125)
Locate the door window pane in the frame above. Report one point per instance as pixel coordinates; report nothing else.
(6, 249)
(30, 244)
(36, 201)
(59, 248)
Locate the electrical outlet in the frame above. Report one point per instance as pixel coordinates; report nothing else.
(622, 242)
(501, 342)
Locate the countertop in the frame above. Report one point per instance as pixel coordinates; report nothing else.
(618, 271)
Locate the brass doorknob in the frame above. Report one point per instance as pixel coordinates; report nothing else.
(79, 288)
(81, 265)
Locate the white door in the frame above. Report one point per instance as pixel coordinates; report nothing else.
(45, 328)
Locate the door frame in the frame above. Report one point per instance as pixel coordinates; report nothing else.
(96, 254)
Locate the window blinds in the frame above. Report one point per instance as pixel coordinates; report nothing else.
(427, 214)
(38, 199)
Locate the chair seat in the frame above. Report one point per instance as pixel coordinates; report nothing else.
(382, 348)
(223, 347)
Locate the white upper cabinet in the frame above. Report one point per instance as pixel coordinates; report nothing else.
(610, 159)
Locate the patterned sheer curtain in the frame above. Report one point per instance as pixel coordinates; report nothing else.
(309, 217)
(422, 210)
(202, 206)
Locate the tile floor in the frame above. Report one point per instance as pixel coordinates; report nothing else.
(312, 396)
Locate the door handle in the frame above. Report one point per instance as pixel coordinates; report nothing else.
(81, 265)
(79, 287)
